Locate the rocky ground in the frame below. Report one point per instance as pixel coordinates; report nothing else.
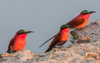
(77, 53)
(86, 49)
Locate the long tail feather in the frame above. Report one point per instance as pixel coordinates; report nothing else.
(47, 41)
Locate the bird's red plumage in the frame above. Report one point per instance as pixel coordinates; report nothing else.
(60, 38)
(17, 42)
(80, 21)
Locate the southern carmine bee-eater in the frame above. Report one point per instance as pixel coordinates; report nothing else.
(18, 41)
(81, 20)
(60, 38)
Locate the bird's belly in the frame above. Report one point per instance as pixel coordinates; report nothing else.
(65, 37)
(19, 46)
(82, 25)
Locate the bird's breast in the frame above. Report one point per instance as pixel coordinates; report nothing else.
(86, 19)
(83, 24)
(65, 36)
(21, 40)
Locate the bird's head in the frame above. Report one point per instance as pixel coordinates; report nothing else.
(66, 26)
(24, 32)
(87, 12)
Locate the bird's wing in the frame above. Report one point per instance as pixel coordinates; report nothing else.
(76, 21)
(54, 42)
(11, 44)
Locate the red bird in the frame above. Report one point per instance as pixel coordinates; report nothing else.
(60, 38)
(81, 20)
(18, 41)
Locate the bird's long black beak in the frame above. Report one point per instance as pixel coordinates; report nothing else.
(92, 12)
(30, 32)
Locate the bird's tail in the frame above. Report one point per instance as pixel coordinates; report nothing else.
(47, 41)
